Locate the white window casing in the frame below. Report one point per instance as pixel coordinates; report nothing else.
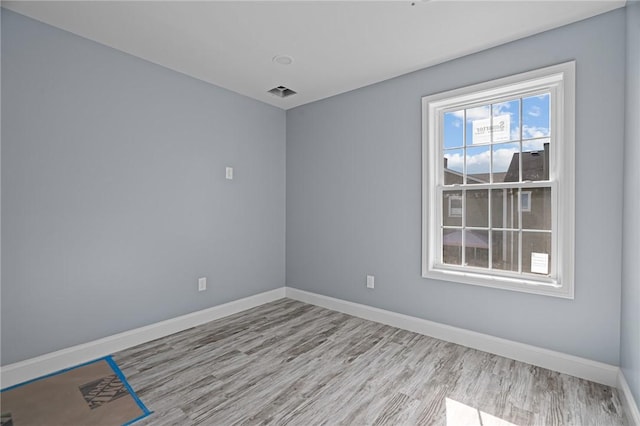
(559, 82)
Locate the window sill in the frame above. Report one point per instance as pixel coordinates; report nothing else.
(550, 288)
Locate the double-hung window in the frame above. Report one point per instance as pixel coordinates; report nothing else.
(498, 183)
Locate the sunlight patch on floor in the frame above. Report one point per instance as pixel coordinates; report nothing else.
(459, 414)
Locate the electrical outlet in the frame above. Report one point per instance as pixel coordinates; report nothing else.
(370, 281)
(202, 284)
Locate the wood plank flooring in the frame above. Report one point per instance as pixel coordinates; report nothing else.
(289, 363)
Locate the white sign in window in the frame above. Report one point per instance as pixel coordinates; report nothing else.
(499, 126)
(539, 263)
(455, 206)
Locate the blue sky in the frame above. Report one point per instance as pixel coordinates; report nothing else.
(534, 122)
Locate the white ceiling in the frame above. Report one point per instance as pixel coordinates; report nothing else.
(337, 46)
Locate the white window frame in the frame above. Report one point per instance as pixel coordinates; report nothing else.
(559, 80)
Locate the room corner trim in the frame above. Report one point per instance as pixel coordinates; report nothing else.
(630, 406)
(557, 361)
(19, 372)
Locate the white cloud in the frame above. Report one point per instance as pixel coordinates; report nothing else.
(502, 108)
(458, 115)
(455, 162)
(529, 132)
(534, 132)
(534, 111)
(537, 145)
(474, 113)
(502, 159)
(479, 163)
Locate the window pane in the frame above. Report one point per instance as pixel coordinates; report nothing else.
(535, 144)
(505, 250)
(452, 246)
(536, 252)
(476, 245)
(452, 208)
(478, 121)
(536, 208)
(477, 208)
(453, 129)
(453, 166)
(535, 160)
(478, 159)
(506, 164)
(504, 208)
(535, 116)
(512, 109)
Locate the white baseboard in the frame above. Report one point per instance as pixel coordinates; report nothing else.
(22, 371)
(630, 406)
(575, 366)
(579, 367)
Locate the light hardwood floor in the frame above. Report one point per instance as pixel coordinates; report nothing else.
(287, 362)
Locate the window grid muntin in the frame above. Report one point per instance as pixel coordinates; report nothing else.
(491, 185)
(550, 91)
(520, 230)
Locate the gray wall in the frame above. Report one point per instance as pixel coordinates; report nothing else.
(354, 203)
(630, 318)
(114, 200)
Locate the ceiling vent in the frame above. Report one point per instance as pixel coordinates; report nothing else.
(282, 92)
